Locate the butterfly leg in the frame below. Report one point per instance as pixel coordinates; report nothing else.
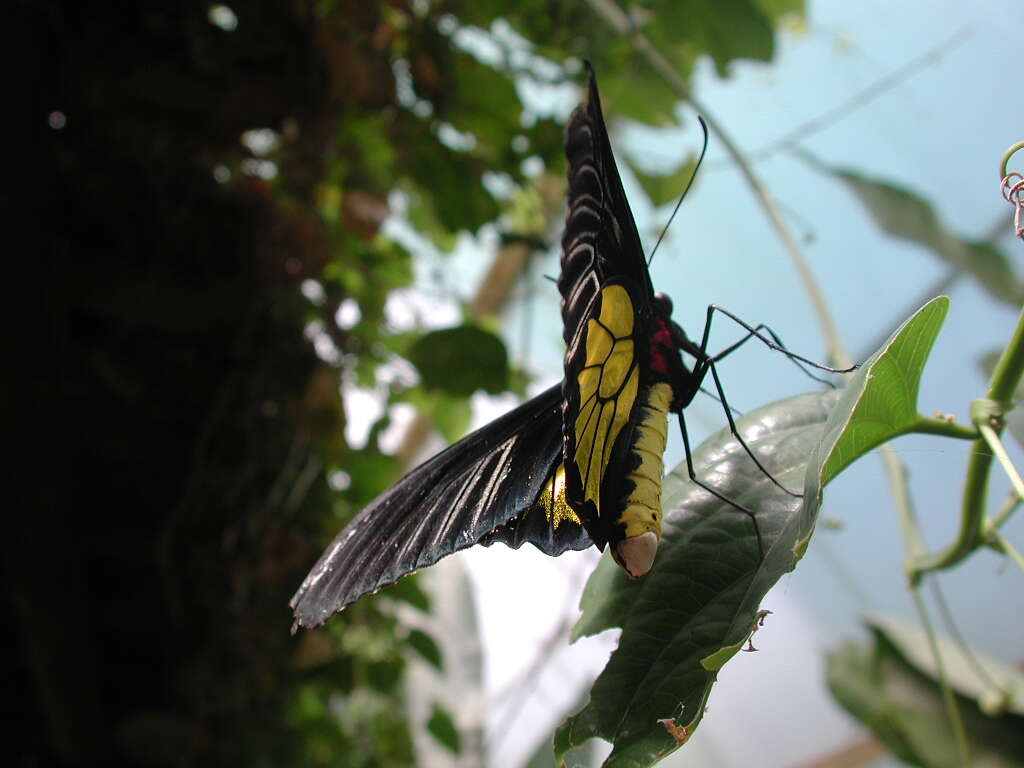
(755, 333)
(772, 341)
(693, 477)
(706, 364)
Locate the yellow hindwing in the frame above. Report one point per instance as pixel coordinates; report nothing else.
(608, 386)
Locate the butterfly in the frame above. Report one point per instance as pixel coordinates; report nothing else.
(579, 464)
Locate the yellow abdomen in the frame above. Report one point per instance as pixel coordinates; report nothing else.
(643, 505)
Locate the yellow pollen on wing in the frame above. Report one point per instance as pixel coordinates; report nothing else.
(552, 500)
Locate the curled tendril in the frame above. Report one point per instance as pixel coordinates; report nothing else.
(1014, 149)
(1012, 189)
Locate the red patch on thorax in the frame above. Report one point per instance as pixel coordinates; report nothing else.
(661, 346)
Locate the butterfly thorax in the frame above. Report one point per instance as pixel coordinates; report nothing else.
(663, 350)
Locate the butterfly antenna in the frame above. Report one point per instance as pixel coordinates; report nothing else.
(703, 151)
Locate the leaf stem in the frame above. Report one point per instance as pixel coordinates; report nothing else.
(925, 425)
(620, 22)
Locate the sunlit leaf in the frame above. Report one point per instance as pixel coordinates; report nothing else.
(880, 400)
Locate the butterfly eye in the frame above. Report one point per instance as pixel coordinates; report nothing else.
(663, 304)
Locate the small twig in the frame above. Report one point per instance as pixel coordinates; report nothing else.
(992, 438)
(860, 99)
(1002, 544)
(993, 524)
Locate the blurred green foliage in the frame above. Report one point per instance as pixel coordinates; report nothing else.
(214, 195)
(889, 685)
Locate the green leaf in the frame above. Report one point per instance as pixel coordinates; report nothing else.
(447, 194)
(384, 676)
(905, 215)
(724, 29)
(639, 94)
(880, 400)
(425, 646)
(664, 189)
(452, 417)
(904, 709)
(995, 687)
(484, 103)
(700, 602)
(409, 591)
(777, 9)
(461, 360)
(441, 726)
(425, 219)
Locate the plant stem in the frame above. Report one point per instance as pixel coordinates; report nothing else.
(896, 474)
(1005, 379)
(952, 711)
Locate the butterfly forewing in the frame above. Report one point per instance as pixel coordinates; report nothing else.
(606, 310)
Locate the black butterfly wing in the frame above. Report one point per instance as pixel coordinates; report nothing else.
(607, 302)
(499, 483)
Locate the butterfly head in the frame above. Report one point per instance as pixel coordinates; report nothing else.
(663, 311)
(663, 305)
